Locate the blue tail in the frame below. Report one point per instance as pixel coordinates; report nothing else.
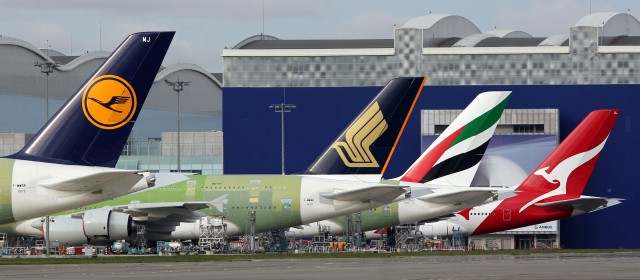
(366, 146)
(93, 126)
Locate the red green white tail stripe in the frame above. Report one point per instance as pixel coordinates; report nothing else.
(459, 149)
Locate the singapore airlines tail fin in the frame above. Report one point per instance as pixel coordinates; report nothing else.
(454, 157)
(368, 143)
(92, 127)
(568, 168)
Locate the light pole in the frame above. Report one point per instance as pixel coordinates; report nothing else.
(47, 68)
(178, 86)
(282, 108)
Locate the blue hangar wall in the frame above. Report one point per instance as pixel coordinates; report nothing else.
(252, 139)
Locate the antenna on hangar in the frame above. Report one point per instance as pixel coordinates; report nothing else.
(262, 34)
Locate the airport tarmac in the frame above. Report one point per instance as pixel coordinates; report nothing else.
(536, 266)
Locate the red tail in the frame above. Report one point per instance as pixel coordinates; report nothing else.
(568, 168)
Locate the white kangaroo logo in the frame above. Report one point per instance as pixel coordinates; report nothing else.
(551, 177)
(560, 174)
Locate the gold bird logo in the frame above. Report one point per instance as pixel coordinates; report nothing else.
(355, 150)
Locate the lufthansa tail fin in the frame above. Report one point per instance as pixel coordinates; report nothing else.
(92, 127)
(568, 168)
(367, 144)
(459, 149)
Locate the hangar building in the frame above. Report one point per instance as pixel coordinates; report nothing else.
(592, 66)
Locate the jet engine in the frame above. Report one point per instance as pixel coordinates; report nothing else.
(94, 225)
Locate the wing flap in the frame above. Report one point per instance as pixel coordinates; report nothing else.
(379, 193)
(165, 211)
(466, 195)
(190, 205)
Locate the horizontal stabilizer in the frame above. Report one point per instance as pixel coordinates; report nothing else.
(437, 219)
(584, 204)
(472, 196)
(92, 181)
(384, 194)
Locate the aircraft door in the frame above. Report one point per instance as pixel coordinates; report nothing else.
(386, 211)
(286, 206)
(506, 215)
(191, 190)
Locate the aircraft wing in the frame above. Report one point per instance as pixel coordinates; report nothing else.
(584, 203)
(472, 196)
(94, 181)
(169, 214)
(380, 193)
(192, 206)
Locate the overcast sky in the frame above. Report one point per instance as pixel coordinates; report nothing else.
(205, 27)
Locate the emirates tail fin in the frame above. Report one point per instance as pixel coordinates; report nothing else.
(455, 155)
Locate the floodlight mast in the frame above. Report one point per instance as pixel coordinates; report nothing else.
(282, 108)
(178, 86)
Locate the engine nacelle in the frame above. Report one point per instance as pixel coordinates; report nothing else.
(104, 223)
(96, 224)
(68, 231)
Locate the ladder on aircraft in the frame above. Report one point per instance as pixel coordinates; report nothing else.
(457, 239)
(212, 236)
(140, 245)
(406, 239)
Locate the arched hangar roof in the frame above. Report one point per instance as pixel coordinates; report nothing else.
(186, 67)
(443, 25)
(255, 38)
(612, 23)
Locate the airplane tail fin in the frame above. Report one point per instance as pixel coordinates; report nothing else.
(459, 149)
(568, 168)
(92, 127)
(368, 143)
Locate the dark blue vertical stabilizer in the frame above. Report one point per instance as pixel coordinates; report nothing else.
(93, 126)
(367, 144)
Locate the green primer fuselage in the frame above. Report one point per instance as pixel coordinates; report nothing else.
(274, 198)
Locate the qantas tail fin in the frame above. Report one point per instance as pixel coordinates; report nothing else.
(459, 149)
(367, 144)
(568, 168)
(92, 127)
